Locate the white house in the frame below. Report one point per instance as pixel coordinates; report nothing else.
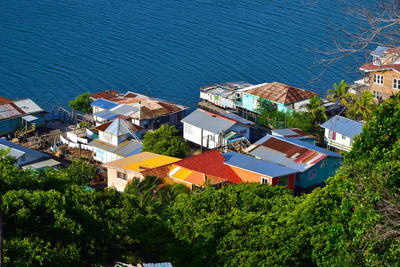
(340, 132)
(115, 140)
(210, 130)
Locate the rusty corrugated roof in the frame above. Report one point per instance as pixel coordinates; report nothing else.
(281, 93)
(109, 94)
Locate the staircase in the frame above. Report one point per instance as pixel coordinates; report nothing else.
(25, 130)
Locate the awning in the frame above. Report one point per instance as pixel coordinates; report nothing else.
(29, 118)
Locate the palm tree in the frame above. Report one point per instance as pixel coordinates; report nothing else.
(339, 93)
(316, 109)
(362, 107)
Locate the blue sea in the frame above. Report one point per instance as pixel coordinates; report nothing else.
(51, 51)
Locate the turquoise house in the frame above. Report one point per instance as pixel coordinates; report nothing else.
(286, 98)
(314, 164)
(16, 114)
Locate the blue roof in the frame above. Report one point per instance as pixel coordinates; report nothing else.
(344, 126)
(104, 104)
(262, 167)
(105, 114)
(379, 51)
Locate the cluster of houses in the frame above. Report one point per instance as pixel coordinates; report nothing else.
(285, 157)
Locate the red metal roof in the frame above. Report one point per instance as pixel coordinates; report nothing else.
(4, 100)
(281, 93)
(372, 67)
(210, 163)
(10, 110)
(109, 94)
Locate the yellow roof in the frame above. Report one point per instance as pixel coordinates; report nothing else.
(140, 162)
(180, 173)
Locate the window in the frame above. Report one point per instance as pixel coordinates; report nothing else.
(188, 128)
(283, 181)
(380, 97)
(374, 94)
(243, 131)
(312, 174)
(378, 79)
(396, 83)
(265, 180)
(343, 137)
(334, 136)
(255, 103)
(351, 142)
(121, 175)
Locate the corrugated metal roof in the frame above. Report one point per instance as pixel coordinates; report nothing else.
(289, 152)
(109, 94)
(28, 106)
(208, 121)
(106, 115)
(281, 93)
(119, 127)
(344, 126)
(17, 150)
(379, 51)
(293, 133)
(210, 163)
(256, 165)
(103, 103)
(124, 149)
(10, 110)
(124, 109)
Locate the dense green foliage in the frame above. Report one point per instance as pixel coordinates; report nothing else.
(81, 103)
(49, 219)
(306, 121)
(165, 141)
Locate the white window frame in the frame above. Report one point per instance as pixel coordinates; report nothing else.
(312, 174)
(266, 180)
(287, 180)
(121, 175)
(378, 79)
(396, 83)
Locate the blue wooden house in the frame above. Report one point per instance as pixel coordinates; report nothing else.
(314, 164)
(20, 115)
(285, 97)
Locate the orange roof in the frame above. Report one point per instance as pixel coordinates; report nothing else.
(4, 100)
(281, 93)
(109, 94)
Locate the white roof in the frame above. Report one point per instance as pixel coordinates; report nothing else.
(28, 106)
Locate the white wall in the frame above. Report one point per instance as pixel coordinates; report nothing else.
(108, 138)
(193, 134)
(341, 140)
(105, 156)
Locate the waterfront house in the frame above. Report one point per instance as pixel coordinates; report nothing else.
(147, 112)
(117, 139)
(208, 167)
(295, 133)
(340, 132)
(28, 158)
(223, 95)
(252, 170)
(314, 164)
(212, 130)
(284, 97)
(122, 171)
(22, 116)
(382, 77)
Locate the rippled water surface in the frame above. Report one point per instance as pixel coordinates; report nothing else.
(51, 51)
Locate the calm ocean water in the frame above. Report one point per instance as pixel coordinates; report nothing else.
(51, 51)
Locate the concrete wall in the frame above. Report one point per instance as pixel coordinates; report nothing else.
(118, 183)
(387, 87)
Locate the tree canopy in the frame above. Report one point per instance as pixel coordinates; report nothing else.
(165, 141)
(81, 103)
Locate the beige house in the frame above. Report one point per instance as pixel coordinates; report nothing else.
(121, 172)
(382, 77)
